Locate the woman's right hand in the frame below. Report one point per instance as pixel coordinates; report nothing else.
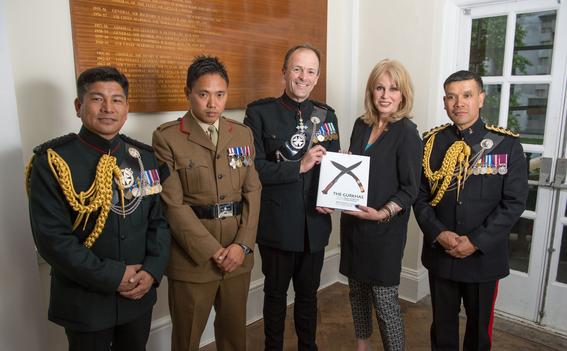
(324, 210)
(368, 213)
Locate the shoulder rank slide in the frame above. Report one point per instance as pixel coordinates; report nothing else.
(137, 143)
(322, 105)
(169, 124)
(501, 130)
(435, 130)
(262, 101)
(40, 149)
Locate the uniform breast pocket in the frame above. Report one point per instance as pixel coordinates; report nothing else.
(236, 177)
(196, 176)
(139, 217)
(491, 186)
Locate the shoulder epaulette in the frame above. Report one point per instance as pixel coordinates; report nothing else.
(137, 143)
(322, 105)
(54, 143)
(169, 124)
(501, 130)
(27, 174)
(230, 120)
(262, 101)
(435, 130)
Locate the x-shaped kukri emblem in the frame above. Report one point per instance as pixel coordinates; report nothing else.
(344, 170)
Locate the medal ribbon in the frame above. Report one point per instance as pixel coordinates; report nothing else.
(156, 175)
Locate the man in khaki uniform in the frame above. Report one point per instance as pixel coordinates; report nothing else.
(212, 199)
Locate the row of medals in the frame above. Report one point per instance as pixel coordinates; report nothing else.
(239, 157)
(325, 133)
(136, 190)
(489, 168)
(133, 185)
(490, 164)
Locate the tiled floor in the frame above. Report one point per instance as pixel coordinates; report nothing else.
(335, 331)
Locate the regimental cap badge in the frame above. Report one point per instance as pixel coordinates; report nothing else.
(486, 144)
(134, 152)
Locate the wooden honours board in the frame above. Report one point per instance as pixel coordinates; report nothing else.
(154, 41)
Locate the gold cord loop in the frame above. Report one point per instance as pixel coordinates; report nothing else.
(98, 196)
(455, 163)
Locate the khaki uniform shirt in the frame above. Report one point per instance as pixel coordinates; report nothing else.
(200, 175)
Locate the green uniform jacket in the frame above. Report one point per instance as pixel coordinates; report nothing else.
(84, 281)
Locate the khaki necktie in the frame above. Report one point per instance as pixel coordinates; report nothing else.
(213, 134)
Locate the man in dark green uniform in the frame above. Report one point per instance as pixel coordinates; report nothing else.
(473, 189)
(291, 135)
(97, 220)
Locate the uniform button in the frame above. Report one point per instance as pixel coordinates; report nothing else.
(122, 237)
(220, 176)
(222, 197)
(218, 156)
(459, 202)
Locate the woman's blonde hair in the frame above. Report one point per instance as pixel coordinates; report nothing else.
(403, 81)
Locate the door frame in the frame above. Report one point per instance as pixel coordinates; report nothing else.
(458, 16)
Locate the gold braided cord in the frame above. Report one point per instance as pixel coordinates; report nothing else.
(457, 155)
(27, 174)
(98, 196)
(501, 130)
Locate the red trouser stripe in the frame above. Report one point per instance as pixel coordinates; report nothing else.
(491, 323)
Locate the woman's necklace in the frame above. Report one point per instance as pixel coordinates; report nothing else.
(377, 130)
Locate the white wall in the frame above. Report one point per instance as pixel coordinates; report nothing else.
(360, 33)
(20, 296)
(341, 45)
(410, 32)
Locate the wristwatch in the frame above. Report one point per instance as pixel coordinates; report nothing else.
(246, 249)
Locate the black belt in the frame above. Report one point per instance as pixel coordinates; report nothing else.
(227, 209)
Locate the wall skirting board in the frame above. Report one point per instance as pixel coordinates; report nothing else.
(414, 284)
(413, 287)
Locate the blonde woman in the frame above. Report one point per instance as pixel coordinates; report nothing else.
(373, 239)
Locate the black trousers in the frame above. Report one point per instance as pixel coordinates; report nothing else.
(304, 269)
(131, 336)
(478, 300)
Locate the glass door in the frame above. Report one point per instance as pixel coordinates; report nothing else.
(553, 311)
(519, 50)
